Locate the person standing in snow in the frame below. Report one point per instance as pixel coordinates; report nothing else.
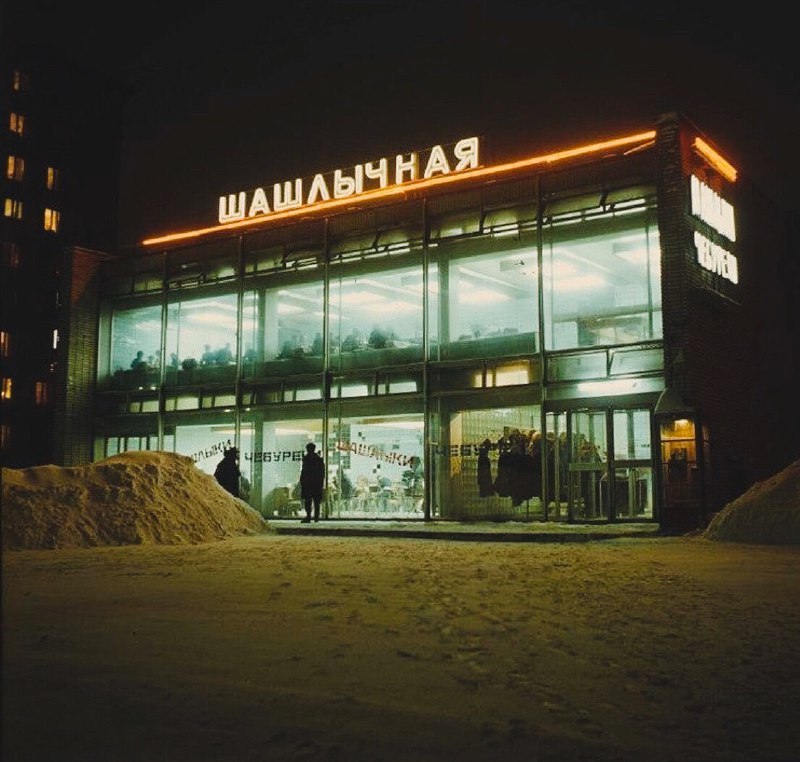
(312, 479)
(227, 472)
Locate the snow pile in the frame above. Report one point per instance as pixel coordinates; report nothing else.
(128, 499)
(768, 513)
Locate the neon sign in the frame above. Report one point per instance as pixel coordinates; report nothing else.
(715, 259)
(714, 210)
(362, 178)
(708, 206)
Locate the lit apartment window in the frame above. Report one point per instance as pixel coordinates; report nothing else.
(52, 218)
(13, 208)
(52, 178)
(11, 254)
(5, 388)
(20, 81)
(55, 338)
(15, 168)
(17, 124)
(5, 436)
(42, 393)
(5, 344)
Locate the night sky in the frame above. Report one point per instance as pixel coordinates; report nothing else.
(228, 97)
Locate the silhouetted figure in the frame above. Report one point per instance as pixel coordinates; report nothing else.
(209, 356)
(485, 481)
(312, 479)
(224, 356)
(138, 362)
(227, 472)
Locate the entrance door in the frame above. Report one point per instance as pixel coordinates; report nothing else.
(601, 463)
(588, 455)
(630, 492)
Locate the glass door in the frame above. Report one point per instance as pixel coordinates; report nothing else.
(629, 487)
(588, 455)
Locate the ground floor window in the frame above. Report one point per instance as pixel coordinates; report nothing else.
(500, 461)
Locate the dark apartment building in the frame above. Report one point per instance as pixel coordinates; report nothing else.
(60, 138)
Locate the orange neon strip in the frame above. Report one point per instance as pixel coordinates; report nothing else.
(727, 170)
(398, 190)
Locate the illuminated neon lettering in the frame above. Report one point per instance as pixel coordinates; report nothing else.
(231, 207)
(466, 151)
(403, 166)
(379, 172)
(714, 210)
(344, 186)
(339, 184)
(318, 191)
(282, 196)
(715, 259)
(437, 163)
(259, 204)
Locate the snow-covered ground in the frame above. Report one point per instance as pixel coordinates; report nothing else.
(190, 631)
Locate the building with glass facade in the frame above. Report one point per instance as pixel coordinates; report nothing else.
(552, 338)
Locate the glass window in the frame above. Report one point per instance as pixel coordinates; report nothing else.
(16, 124)
(41, 393)
(205, 441)
(20, 80)
(376, 466)
(485, 305)
(282, 329)
(11, 254)
(376, 318)
(272, 453)
(488, 463)
(6, 386)
(52, 178)
(13, 208)
(52, 220)
(602, 283)
(201, 340)
(5, 344)
(203, 264)
(135, 346)
(15, 168)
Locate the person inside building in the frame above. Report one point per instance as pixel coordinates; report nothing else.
(227, 472)
(312, 480)
(224, 356)
(209, 356)
(138, 362)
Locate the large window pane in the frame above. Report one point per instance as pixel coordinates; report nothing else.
(376, 318)
(376, 464)
(487, 304)
(603, 287)
(201, 340)
(282, 329)
(136, 346)
(489, 464)
(272, 454)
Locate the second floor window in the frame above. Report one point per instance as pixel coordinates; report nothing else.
(20, 80)
(15, 168)
(16, 124)
(52, 219)
(42, 392)
(13, 208)
(11, 254)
